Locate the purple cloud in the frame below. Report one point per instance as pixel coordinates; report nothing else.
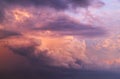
(6, 33)
(64, 26)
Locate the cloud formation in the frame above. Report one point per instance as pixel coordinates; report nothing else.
(6, 33)
(65, 26)
(52, 4)
(45, 36)
(49, 51)
(57, 4)
(41, 31)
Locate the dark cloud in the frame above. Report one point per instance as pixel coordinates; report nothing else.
(29, 53)
(64, 26)
(40, 70)
(45, 57)
(57, 4)
(24, 51)
(1, 15)
(2, 12)
(7, 33)
(58, 73)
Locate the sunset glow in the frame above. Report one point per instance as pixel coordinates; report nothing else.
(62, 39)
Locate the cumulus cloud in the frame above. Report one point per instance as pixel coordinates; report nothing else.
(48, 51)
(39, 29)
(106, 52)
(45, 36)
(111, 43)
(40, 32)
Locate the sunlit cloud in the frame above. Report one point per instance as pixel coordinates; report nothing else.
(56, 36)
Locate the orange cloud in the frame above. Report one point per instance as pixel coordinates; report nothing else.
(111, 43)
(65, 51)
(112, 61)
(20, 15)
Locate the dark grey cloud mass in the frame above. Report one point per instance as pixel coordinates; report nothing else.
(6, 33)
(24, 51)
(1, 15)
(42, 58)
(43, 71)
(29, 53)
(64, 26)
(57, 4)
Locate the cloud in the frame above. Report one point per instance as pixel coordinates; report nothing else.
(1, 16)
(60, 5)
(62, 57)
(66, 26)
(24, 51)
(29, 53)
(6, 33)
(57, 4)
(49, 51)
(39, 69)
(57, 23)
(106, 52)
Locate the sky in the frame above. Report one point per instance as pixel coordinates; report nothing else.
(59, 39)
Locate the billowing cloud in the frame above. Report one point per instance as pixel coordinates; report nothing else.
(41, 28)
(48, 51)
(106, 52)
